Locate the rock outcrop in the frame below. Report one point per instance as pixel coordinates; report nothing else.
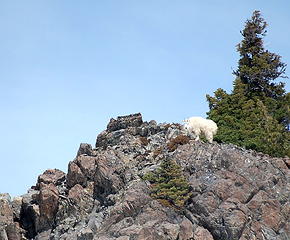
(235, 193)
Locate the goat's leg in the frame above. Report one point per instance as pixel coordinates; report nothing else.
(197, 133)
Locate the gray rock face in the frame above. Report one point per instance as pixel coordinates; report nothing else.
(236, 193)
(122, 122)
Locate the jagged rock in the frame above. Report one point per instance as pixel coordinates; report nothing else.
(16, 206)
(122, 122)
(75, 175)
(287, 162)
(170, 230)
(9, 230)
(235, 193)
(85, 149)
(54, 176)
(186, 229)
(45, 235)
(75, 193)
(122, 128)
(3, 234)
(109, 175)
(225, 180)
(81, 170)
(6, 212)
(48, 205)
(81, 199)
(87, 166)
(202, 234)
(85, 234)
(6, 215)
(29, 215)
(14, 232)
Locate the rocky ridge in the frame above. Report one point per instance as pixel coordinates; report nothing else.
(236, 193)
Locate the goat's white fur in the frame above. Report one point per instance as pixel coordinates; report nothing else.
(199, 125)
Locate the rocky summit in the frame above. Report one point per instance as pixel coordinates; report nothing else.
(235, 193)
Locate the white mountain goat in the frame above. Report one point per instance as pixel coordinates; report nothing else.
(199, 125)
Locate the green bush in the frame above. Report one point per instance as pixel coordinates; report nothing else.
(168, 184)
(255, 115)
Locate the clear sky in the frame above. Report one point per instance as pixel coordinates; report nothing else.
(67, 67)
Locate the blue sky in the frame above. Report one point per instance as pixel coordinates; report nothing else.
(67, 67)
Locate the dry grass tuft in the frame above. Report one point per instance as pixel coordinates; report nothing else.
(144, 141)
(175, 142)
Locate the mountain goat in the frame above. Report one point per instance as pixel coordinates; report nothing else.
(199, 125)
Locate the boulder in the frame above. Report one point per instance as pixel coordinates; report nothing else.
(186, 229)
(75, 175)
(81, 200)
(201, 233)
(87, 166)
(85, 149)
(108, 177)
(48, 206)
(54, 176)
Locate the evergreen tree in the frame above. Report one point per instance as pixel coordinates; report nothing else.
(258, 68)
(168, 184)
(256, 114)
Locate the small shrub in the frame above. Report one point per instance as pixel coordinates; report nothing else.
(168, 184)
(144, 141)
(175, 142)
(165, 202)
(157, 152)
